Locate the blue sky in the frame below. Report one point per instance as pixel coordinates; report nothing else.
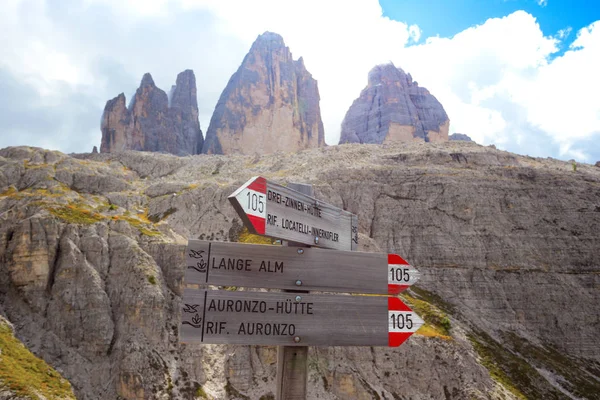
(500, 68)
(447, 18)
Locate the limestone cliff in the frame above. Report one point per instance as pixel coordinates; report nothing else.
(91, 268)
(394, 108)
(150, 123)
(270, 104)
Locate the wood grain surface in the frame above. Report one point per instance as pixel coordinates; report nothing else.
(281, 267)
(272, 318)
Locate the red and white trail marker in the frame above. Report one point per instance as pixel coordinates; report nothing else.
(252, 199)
(293, 268)
(402, 322)
(292, 319)
(300, 318)
(401, 274)
(277, 211)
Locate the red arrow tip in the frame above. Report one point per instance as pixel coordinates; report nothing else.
(396, 259)
(395, 304)
(395, 339)
(259, 185)
(396, 289)
(258, 223)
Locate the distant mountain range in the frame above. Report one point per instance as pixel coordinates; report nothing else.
(270, 104)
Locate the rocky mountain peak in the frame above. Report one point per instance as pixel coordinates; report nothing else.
(183, 93)
(460, 136)
(385, 74)
(151, 123)
(268, 39)
(147, 80)
(270, 104)
(394, 108)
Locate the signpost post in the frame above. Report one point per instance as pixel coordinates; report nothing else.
(295, 318)
(292, 362)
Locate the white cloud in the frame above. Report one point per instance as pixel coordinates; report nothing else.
(340, 41)
(497, 81)
(484, 73)
(564, 33)
(542, 3)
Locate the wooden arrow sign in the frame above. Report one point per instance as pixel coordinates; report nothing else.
(293, 268)
(292, 319)
(276, 211)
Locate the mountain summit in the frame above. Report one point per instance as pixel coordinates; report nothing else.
(270, 104)
(394, 108)
(150, 124)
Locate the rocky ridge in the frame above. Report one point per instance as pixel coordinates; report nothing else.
(150, 123)
(460, 136)
(394, 108)
(270, 104)
(91, 267)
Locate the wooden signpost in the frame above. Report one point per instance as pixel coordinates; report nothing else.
(292, 319)
(283, 213)
(296, 268)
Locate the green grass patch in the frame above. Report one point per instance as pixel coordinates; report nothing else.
(511, 370)
(10, 192)
(148, 232)
(152, 279)
(578, 379)
(432, 298)
(431, 331)
(495, 359)
(145, 228)
(75, 214)
(25, 374)
(13, 193)
(28, 165)
(436, 319)
(201, 393)
(247, 237)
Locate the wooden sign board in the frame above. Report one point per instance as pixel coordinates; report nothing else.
(296, 268)
(280, 212)
(292, 319)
